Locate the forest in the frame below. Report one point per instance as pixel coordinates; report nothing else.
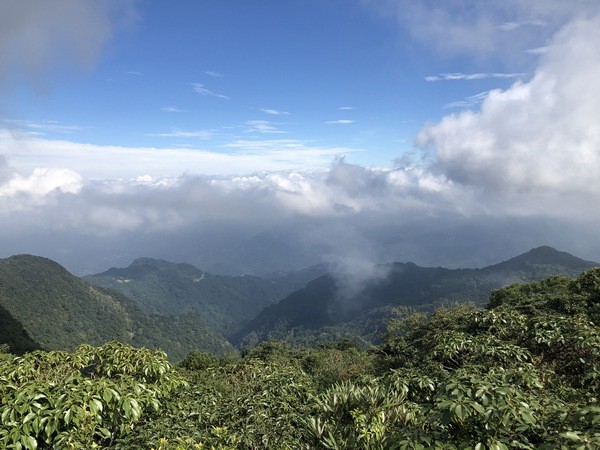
(522, 372)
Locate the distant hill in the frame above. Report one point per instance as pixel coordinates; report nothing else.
(327, 303)
(167, 288)
(58, 310)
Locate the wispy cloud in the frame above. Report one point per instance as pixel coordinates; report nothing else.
(275, 112)
(177, 133)
(469, 102)
(263, 126)
(133, 72)
(40, 127)
(346, 108)
(28, 153)
(200, 89)
(291, 150)
(538, 50)
(210, 73)
(510, 26)
(471, 76)
(173, 109)
(340, 121)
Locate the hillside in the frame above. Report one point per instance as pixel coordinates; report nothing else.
(14, 335)
(167, 288)
(324, 303)
(58, 310)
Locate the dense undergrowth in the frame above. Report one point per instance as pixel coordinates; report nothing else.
(522, 373)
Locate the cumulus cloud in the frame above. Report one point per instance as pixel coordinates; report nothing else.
(541, 137)
(37, 36)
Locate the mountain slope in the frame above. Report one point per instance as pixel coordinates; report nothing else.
(14, 335)
(60, 311)
(327, 302)
(167, 288)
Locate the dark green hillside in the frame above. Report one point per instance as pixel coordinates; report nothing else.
(14, 335)
(167, 288)
(323, 302)
(61, 311)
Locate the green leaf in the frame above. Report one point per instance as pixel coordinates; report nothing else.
(29, 442)
(571, 435)
(461, 412)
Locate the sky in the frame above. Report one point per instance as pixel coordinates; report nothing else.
(248, 137)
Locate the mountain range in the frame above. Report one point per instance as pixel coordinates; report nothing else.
(167, 288)
(336, 304)
(178, 307)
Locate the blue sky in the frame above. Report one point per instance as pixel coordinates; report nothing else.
(337, 75)
(245, 136)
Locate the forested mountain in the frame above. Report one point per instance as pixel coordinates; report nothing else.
(167, 288)
(13, 335)
(333, 301)
(57, 310)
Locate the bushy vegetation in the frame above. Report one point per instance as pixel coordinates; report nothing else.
(522, 373)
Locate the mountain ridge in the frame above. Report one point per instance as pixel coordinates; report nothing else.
(322, 303)
(166, 288)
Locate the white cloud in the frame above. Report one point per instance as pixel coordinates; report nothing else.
(470, 102)
(536, 140)
(173, 109)
(510, 26)
(210, 73)
(200, 89)
(340, 121)
(40, 127)
(26, 153)
(263, 126)
(458, 27)
(538, 50)
(472, 76)
(177, 133)
(346, 108)
(275, 112)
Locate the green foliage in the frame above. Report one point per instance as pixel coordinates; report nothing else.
(249, 404)
(81, 400)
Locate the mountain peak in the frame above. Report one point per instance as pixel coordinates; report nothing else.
(547, 256)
